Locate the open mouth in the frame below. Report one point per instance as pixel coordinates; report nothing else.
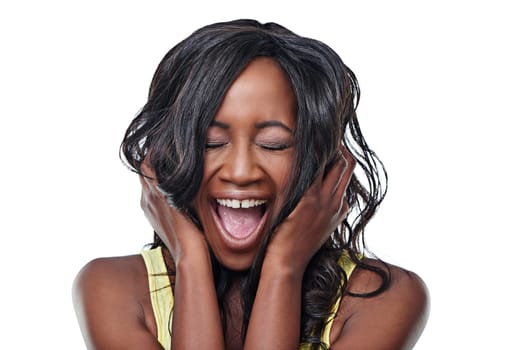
(240, 218)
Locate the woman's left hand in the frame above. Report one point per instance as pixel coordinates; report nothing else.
(316, 216)
(277, 308)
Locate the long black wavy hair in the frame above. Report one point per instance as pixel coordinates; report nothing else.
(185, 94)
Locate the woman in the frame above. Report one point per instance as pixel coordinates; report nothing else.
(246, 149)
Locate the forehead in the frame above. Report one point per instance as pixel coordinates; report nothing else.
(261, 90)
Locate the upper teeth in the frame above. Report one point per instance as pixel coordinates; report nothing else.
(236, 203)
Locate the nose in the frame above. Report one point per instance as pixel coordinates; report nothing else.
(241, 166)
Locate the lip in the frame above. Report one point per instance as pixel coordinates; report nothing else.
(245, 243)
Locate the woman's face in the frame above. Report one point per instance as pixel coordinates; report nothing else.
(247, 162)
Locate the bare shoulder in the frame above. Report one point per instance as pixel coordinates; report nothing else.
(393, 319)
(109, 276)
(119, 267)
(111, 301)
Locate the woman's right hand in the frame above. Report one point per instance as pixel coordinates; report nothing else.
(174, 228)
(194, 290)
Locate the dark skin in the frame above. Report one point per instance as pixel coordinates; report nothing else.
(249, 157)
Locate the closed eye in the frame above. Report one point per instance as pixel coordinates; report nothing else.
(274, 146)
(213, 145)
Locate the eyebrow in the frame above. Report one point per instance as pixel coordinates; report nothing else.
(261, 125)
(271, 123)
(219, 125)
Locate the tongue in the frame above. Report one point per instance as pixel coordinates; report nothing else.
(240, 222)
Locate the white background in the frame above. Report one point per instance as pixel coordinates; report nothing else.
(441, 104)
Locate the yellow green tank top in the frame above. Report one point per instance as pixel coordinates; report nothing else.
(162, 296)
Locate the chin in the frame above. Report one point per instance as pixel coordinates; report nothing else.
(237, 263)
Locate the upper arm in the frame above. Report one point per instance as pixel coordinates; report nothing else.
(392, 320)
(109, 314)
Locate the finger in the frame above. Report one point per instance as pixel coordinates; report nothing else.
(143, 182)
(147, 184)
(348, 157)
(148, 176)
(146, 168)
(345, 178)
(334, 176)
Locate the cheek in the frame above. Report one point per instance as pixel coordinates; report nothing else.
(213, 160)
(282, 174)
(283, 170)
(209, 170)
